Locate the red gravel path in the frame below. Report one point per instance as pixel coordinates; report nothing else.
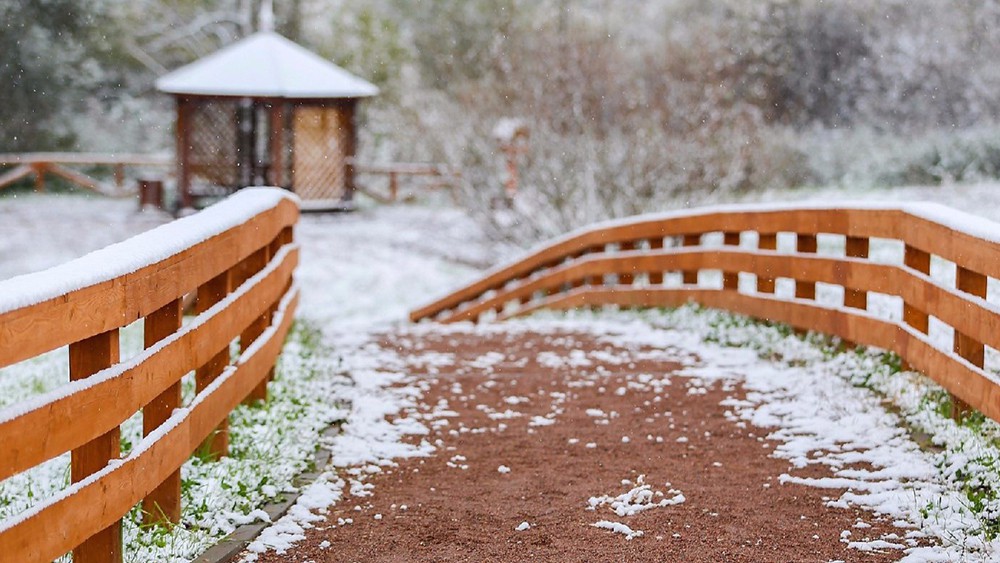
(734, 510)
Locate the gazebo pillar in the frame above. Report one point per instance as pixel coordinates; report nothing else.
(184, 107)
(276, 172)
(350, 149)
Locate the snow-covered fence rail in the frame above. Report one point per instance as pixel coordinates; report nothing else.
(669, 259)
(238, 257)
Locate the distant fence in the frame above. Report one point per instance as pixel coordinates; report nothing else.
(40, 164)
(625, 263)
(238, 257)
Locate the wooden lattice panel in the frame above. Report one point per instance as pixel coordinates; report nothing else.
(319, 170)
(212, 153)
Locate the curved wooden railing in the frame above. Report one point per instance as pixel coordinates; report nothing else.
(238, 258)
(627, 263)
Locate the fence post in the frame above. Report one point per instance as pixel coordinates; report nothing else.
(965, 346)
(731, 280)
(767, 241)
(210, 293)
(805, 243)
(690, 277)
(163, 504)
(656, 244)
(250, 266)
(856, 247)
(86, 358)
(627, 278)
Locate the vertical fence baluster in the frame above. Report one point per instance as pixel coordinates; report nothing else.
(251, 265)
(690, 277)
(86, 358)
(805, 243)
(655, 245)
(163, 504)
(766, 241)
(965, 346)
(210, 293)
(627, 278)
(920, 261)
(730, 280)
(856, 247)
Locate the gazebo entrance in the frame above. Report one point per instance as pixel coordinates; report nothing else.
(265, 111)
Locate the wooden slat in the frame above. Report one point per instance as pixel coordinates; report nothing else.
(74, 515)
(805, 243)
(920, 261)
(969, 314)
(856, 247)
(30, 331)
(86, 358)
(765, 282)
(964, 249)
(138, 383)
(210, 293)
(163, 505)
(252, 264)
(730, 278)
(690, 277)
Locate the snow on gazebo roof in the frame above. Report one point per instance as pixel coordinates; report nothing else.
(265, 64)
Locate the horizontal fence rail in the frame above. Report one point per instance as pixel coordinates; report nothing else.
(730, 258)
(237, 258)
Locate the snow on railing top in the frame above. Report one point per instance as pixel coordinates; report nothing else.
(967, 223)
(139, 251)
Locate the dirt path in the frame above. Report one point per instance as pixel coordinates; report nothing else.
(570, 428)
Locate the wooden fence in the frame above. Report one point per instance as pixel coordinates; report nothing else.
(626, 263)
(40, 164)
(238, 257)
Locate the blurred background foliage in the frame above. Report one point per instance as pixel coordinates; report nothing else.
(632, 105)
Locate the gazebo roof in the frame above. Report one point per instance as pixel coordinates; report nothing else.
(265, 64)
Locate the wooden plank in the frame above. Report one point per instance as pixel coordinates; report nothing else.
(215, 290)
(969, 314)
(920, 261)
(15, 174)
(655, 245)
(967, 346)
(86, 358)
(626, 278)
(730, 279)
(767, 241)
(253, 264)
(962, 248)
(79, 178)
(690, 277)
(163, 504)
(140, 381)
(72, 516)
(33, 330)
(86, 158)
(805, 243)
(856, 247)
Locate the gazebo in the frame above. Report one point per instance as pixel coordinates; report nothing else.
(266, 111)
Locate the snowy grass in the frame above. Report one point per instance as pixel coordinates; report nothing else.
(954, 499)
(270, 443)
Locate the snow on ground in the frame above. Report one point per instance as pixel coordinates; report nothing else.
(361, 272)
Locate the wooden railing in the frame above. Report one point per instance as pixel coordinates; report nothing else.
(40, 164)
(238, 257)
(439, 176)
(654, 261)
